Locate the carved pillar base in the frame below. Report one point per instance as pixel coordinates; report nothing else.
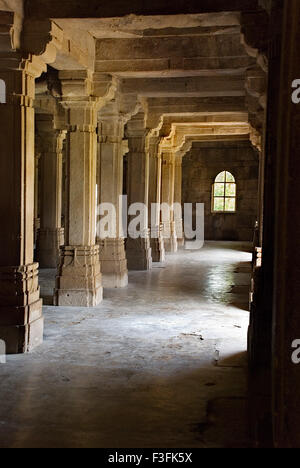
(157, 246)
(113, 263)
(158, 250)
(170, 238)
(171, 245)
(48, 246)
(181, 242)
(139, 254)
(79, 279)
(21, 319)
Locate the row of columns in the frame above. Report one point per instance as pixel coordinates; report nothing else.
(160, 182)
(154, 177)
(94, 144)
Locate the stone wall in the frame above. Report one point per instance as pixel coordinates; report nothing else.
(200, 167)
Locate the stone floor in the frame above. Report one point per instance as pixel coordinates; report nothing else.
(161, 363)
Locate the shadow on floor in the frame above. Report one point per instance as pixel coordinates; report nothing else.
(160, 363)
(197, 409)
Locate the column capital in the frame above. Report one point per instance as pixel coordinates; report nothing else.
(78, 99)
(49, 139)
(76, 85)
(125, 147)
(110, 128)
(256, 139)
(152, 145)
(168, 157)
(51, 142)
(78, 89)
(41, 40)
(178, 159)
(135, 128)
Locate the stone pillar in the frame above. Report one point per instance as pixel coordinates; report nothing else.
(178, 199)
(110, 189)
(51, 234)
(258, 142)
(156, 237)
(286, 191)
(138, 250)
(78, 281)
(256, 103)
(21, 320)
(168, 182)
(262, 305)
(261, 312)
(36, 219)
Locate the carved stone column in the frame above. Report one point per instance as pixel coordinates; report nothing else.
(156, 237)
(261, 311)
(51, 234)
(138, 250)
(36, 218)
(256, 102)
(78, 281)
(168, 182)
(110, 189)
(286, 325)
(21, 320)
(178, 199)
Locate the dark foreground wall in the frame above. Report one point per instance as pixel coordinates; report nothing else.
(200, 167)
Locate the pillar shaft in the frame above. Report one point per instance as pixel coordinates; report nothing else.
(178, 200)
(110, 189)
(78, 282)
(51, 234)
(286, 326)
(21, 321)
(36, 221)
(82, 184)
(138, 250)
(168, 184)
(156, 237)
(261, 312)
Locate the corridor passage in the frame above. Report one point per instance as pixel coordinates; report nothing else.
(161, 363)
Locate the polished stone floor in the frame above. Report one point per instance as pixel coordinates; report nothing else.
(161, 363)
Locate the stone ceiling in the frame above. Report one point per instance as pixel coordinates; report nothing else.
(134, 26)
(183, 65)
(117, 8)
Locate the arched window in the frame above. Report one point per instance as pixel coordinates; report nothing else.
(224, 193)
(2, 92)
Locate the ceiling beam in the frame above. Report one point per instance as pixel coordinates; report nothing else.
(172, 54)
(200, 86)
(115, 8)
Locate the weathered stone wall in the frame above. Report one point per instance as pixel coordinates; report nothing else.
(200, 167)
